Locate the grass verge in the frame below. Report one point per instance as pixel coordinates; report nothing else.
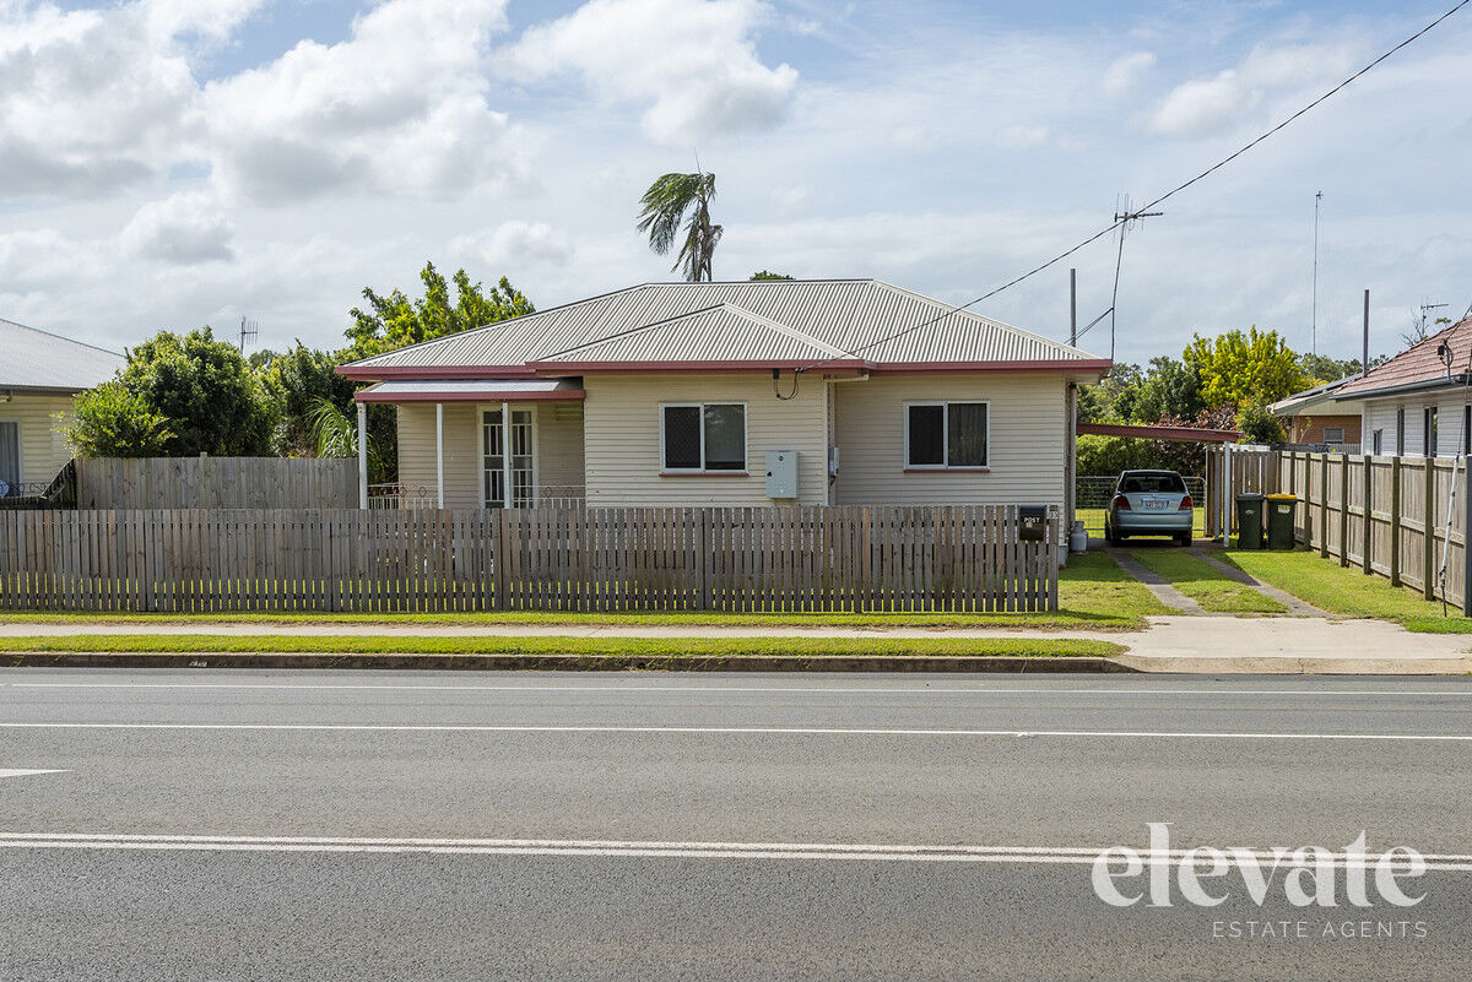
(1093, 592)
(625, 647)
(1204, 583)
(1348, 591)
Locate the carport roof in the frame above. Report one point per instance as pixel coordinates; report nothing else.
(473, 390)
(1170, 434)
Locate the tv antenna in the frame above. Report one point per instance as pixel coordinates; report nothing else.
(249, 331)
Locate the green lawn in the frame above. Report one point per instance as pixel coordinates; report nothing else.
(1092, 591)
(1210, 587)
(1329, 586)
(1023, 647)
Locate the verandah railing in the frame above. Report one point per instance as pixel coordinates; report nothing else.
(851, 558)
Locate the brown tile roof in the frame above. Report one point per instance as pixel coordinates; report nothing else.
(1419, 364)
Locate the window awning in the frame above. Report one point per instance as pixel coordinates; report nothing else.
(473, 390)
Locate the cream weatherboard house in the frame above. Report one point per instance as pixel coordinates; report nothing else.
(40, 375)
(766, 393)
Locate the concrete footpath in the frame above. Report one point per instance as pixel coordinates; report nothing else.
(1196, 643)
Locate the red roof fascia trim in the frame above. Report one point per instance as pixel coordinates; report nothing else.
(434, 371)
(581, 367)
(1040, 365)
(562, 395)
(1175, 434)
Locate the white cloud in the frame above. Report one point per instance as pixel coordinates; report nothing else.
(693, 63)
(183, 230)
(1022, 136)
(1125, 73)
(213, 19)
(515, 244)
(89, 99)
(1201, 105)
(32, 259)
(400, 106)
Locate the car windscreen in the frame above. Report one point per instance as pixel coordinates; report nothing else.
(1152, 484)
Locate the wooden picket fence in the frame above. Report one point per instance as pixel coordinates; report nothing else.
(1384, 515)
(216, 482)
(843, 558)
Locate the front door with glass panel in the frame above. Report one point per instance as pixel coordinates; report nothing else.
(522, 466)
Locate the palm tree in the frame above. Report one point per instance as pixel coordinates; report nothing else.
(664, 208)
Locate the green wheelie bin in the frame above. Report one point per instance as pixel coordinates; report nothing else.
(1249, 520)
(1281, 509)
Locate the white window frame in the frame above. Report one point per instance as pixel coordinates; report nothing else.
(702, 469)
(481, 408)
(1339, 442)
(945, 436)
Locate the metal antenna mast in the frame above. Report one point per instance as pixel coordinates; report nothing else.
(1314, 328)
(248, 331)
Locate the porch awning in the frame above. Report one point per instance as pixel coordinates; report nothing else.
(473, 390)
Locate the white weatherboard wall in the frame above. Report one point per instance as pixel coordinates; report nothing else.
(1026, 458)
(558, 442)
(462, 455)
(43, 447)
(621, 421)
(1380, 414)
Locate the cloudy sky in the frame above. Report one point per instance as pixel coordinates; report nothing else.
(172, 163)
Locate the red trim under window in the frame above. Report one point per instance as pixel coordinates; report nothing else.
(703, 473)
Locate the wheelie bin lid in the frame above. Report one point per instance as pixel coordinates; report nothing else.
(1250, 496)
(1283, 496)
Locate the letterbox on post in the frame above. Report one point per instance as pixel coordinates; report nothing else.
(1032, 523)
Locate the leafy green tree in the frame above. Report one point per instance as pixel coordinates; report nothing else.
(766, 276)
(1112, 400)
(298, 379)
(1259, 425)
(662, 210)
(395, 320)
(208, 397)
(1168, 389)
(110, 421)
(1244, 369)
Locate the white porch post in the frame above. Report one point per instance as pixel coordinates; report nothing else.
(439, 451)
(507, 499)
(363, 455)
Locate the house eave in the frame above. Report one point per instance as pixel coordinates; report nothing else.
(1408, 388)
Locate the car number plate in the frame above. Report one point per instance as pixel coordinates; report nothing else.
(1154, 504)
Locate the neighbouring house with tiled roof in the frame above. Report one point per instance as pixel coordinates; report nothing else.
(40, 375)
(1417, 403)
(752, 393)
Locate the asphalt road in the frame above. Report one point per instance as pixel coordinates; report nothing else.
(315, 825)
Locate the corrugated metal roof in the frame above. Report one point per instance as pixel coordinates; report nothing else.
(1417, 366)
(32, 359)
(867, 317)
(724, 332)
(471, 390)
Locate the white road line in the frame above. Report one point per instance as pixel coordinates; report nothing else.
(1449, 691)
(697, 850)
(751, 730)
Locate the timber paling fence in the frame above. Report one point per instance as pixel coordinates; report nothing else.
(838, 558)
(1384, 515)
(217, 482)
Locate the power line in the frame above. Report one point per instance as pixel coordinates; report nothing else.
(1122, 219)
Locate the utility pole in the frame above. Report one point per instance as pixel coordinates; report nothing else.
(1073, 308)
(1314, 328)
(1365, 350)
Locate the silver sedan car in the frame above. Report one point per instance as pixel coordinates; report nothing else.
(1150, 503)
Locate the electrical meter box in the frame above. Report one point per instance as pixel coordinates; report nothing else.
(781, 473)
